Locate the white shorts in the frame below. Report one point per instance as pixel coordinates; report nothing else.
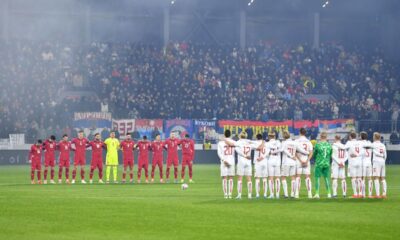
(227, 171)
(367, 171)
(244, 169)
(303, 170)
(355, 171)
(338, 172)
(261, 171)
(288, 171)
(379, 170)
(274, 171)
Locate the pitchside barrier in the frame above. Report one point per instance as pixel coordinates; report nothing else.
(20, 157)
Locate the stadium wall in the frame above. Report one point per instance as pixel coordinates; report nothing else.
(20, 157)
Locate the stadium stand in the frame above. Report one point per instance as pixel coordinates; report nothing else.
(191, 80)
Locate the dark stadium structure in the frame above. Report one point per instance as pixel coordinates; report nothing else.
(198, 59)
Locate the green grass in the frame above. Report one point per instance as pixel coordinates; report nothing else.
(164, 211)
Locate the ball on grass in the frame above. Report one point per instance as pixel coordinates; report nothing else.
(184, 186)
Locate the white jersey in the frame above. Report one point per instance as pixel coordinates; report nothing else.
(262, 153)
(366, 153)
(243, 148)
(355, 148)
(306, 145)
(226, 152)
(339, 154)
(274, 158)
(379, 152)
(289, 150)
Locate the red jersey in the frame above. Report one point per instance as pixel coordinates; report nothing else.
(97, 149)
(35, 154)
(187, 147)
(144, 147)
(127, 149)
(80, 145)
(157, 148)
(172, 146)
(50, 149)
(64, 147)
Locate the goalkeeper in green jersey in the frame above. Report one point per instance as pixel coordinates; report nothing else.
(322, 155)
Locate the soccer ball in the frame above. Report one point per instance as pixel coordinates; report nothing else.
(184, 186)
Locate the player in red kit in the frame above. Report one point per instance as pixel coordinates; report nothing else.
(127, 147)
(97, 157)
(172, 148)
(157, 148)
(64, 146)
(79, 146)
(143, 156)
(35, 158)
(49, 146)
(187, 145)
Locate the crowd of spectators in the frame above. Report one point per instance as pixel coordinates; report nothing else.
(42, 84)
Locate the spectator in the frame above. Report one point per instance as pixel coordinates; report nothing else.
(207, 145)
(104, 106)
(249, 132)
(298, 114)
(105, 133)
(314, 133)
(395, 117)
(394, 138)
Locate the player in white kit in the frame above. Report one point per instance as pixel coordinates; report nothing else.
(303, 163)
(274, 165)
(339, 158)
(289, 150)
(244, 167)
(366, 165)
(378, 165)
(261, 165)
(227, 157)
(355, 148)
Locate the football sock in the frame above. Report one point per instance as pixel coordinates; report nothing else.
(384, 187)
(115, 169)
(377, 187)
(285, 189)
(334, 187)
(344, 187)
(224, 187)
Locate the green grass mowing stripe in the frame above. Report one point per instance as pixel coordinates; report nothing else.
(163, 211)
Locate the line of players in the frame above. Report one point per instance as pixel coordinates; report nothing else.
(80, 144)
(274, 162)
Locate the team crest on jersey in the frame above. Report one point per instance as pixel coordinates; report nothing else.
(98, 145)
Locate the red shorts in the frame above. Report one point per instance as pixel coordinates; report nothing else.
(157, 161)
(172, 160)
(96, 163)
(128, 163)
(186, 160)
(143, 163)
(64, 162)
(79, 160)
(49, 162)
(36, 165)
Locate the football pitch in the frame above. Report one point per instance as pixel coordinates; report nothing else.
(164, 211)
